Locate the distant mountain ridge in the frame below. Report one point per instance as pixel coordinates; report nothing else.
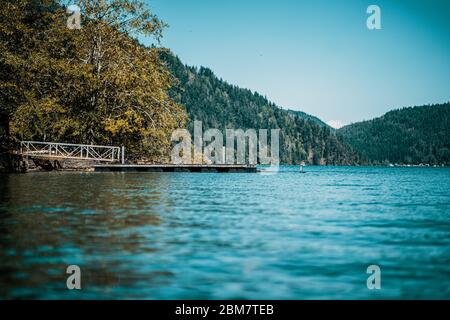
(413, 135)
(307, 116)
(221, 105)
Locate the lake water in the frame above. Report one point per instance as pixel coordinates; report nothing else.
(225, 236)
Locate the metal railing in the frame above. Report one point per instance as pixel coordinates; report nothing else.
(72, 151)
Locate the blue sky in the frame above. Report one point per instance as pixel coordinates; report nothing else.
(318, 56)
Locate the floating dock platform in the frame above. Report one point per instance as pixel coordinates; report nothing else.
(215, 168)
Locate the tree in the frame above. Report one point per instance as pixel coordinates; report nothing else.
(94, 85)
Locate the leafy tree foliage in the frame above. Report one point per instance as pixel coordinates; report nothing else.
(93, 85)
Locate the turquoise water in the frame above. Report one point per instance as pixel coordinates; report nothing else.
(224, 236)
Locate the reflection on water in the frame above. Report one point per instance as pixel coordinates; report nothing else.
(220, 236)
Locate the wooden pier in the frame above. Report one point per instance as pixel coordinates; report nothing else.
(216, 168)
(48, 154)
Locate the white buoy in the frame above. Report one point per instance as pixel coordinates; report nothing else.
(301, 167)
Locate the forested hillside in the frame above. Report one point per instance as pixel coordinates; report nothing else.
(221, 105)
(414, 135)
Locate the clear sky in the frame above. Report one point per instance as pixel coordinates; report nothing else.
(318, 56)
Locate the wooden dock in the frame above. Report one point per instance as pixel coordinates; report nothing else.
(216, 168)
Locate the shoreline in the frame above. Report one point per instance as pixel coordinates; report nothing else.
(195, 168)
(29, 164)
